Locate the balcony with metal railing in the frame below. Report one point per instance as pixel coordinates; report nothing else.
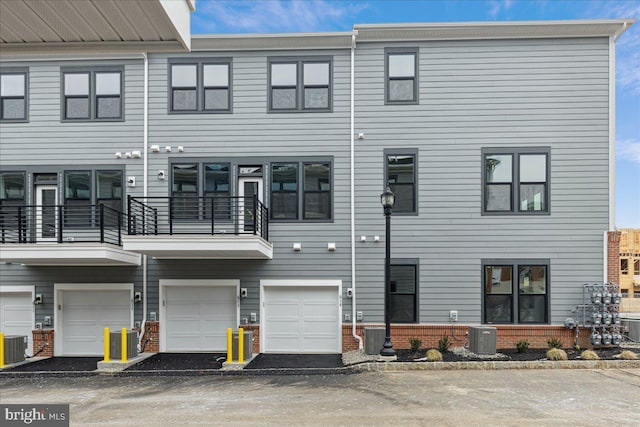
(185, 227)
(63, 235)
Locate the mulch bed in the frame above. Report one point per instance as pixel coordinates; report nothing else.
(291, 361)
(506, 355)
(77, 364)
(180, 362)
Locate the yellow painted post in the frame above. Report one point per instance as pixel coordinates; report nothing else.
(229, 345)
(107, 342)
(1, 350)
(240, 345)
(123, 345)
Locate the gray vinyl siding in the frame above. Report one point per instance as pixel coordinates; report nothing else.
(476, 94)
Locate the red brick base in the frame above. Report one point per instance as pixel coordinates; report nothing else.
(256, 336)
(43, 342)
(151, 337)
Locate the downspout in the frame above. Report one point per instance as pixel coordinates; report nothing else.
(145, 170)
(353, 196)
(605, 257)
(612, 131)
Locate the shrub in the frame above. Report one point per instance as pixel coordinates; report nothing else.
(415, 344)
(589, 355)
(444, 343)
(554, 343)
(522, 346)
(557, 354)
(628, 355)
(434, 355)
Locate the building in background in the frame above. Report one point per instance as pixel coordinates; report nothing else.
(630, 270)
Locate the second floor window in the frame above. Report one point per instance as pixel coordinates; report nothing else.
(12, 189)
(92, 95)
(401, 76)
(287, 199)
(200, 87)
(194, 180)
(401, 179)
(81, 192)
(13, 96)
(300, 85)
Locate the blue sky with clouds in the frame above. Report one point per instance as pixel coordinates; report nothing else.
(278, 16)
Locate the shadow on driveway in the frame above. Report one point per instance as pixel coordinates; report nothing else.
(180, 362)
(274, 361)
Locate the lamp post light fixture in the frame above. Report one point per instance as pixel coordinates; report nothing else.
(387, 199)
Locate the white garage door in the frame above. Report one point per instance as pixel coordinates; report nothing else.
(16, 315)
(301, 319)
(85, 314)
(197, 317)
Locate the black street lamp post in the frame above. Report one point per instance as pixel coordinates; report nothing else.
(387, 198)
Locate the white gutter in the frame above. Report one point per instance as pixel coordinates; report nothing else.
(145, 174)
(353, 194)
(612, 132)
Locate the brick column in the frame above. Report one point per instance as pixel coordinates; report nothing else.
(151, 337)
(613, 256)
(43, 342)
(256, 336)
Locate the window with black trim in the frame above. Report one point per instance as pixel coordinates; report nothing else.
(301, 187)
(300, 84)
(209, 180)
(404, 285)
(401, 178)
(401, 75)
(516, 181)
(516, 292)
(636, 267)
(12, 189)
(93, 94)
(81, 191)
(624, 266)
(13, 95)
(200, 86)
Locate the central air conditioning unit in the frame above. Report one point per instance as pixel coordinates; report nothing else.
(482, 340)
(247, 346)
(633, 327)
(373, 340)
(115, 344)
(14, 346)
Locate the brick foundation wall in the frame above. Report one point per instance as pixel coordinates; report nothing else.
(256, 336)
(151, 337)
(506, 335)
(43, 340)
(613, 256)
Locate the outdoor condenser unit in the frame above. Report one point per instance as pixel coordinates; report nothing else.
(14, 346)
(373, 340)
(634, 328)
(247, 345)
(115, 345)
(482, 339)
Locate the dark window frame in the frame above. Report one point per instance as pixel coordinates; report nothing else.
(515, 154)
(624, 269)
(415, 263)
(92, 96)
(16, 71)
(201, 191)
(403, 152)
(300, 61)
(200, 89)
(390, 51)
(13, 201)
(319, 191)
(516, 295)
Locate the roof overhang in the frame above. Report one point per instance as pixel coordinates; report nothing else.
(288, 41)
(76, 254)
(491, 30)
(36, 26)
(200, 247)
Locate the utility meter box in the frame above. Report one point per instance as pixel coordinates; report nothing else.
(115, 345)
(373, 340)
(14, 346)
(482, 340)
(247, 352)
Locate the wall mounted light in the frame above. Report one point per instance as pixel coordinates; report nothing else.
(127, 155)
(38, 300)
(167, 148)
(363, 238)
(161, 175)
(361, 135)
(297, 247)
(376, 239)
(118, 155)
(131, 181)
(154, 148)
(331, 247)
(180, 148)
(137, 297)
(135, 154)
(243, 292)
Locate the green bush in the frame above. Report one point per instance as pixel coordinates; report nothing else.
(589, 355)
(444, 343)
(554, 343)
(434, 355)
(522, 346)
(557, 354)
(415, 344)
(628, 355)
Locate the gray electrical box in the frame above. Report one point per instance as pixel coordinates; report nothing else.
(482, 340)
(115, 345)
(14, 346)
(373, 340)
(247, 345)
(633, 326)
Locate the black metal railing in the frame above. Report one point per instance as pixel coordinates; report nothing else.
(61, 224)
(197, 215)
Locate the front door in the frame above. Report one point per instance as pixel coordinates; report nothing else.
(45, 212)
(250, 190)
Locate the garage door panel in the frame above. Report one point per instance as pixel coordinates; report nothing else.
(17, 315)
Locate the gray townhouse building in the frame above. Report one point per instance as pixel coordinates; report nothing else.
(183, 185)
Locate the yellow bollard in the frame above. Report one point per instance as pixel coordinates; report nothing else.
(240, 345)
(107, 342)
(229, 345)
(123, 345)
(1, 350)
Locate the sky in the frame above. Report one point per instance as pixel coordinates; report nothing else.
(286, 16)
